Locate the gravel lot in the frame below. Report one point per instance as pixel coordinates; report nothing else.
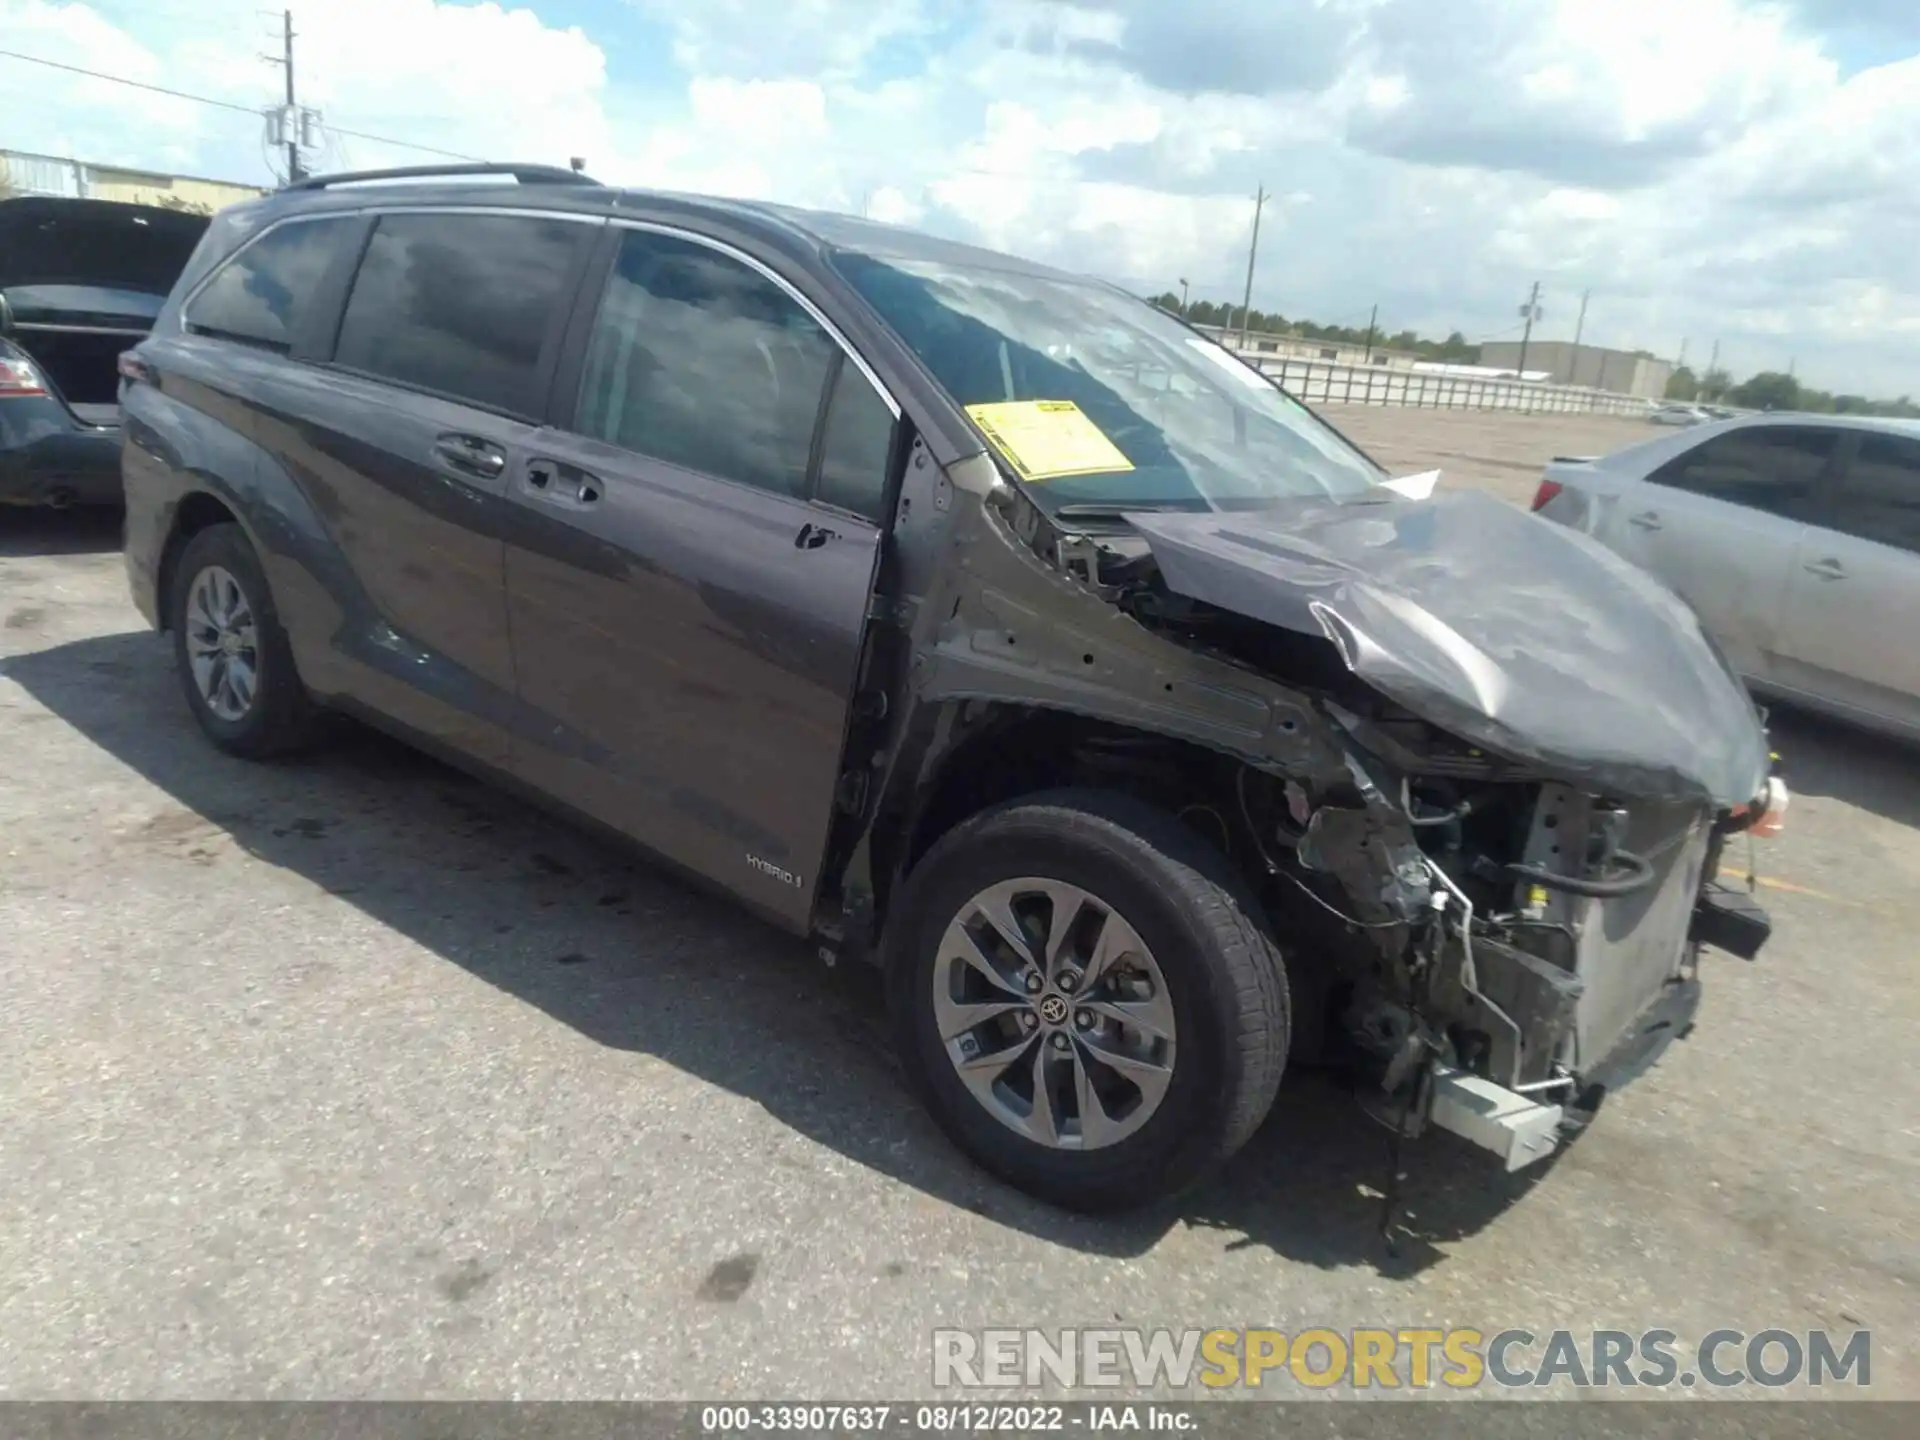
(353, 1078)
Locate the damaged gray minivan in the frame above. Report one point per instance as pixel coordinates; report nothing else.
(964, 616)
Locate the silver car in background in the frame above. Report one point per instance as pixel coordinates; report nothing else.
(1795, 538)
(1680, 415)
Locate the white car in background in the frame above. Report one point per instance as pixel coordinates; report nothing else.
(1795, 538)
(1679, 415)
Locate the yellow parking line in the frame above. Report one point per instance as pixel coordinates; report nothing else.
(1733, 872)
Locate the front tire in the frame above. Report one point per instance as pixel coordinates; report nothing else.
(233, 657)
(1087, 998)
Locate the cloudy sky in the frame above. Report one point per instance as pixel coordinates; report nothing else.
(1746, 170)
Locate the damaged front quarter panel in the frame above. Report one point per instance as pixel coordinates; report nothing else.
(1006, 626)
(1004, 622)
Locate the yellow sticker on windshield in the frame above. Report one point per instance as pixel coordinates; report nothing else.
(1048, 439)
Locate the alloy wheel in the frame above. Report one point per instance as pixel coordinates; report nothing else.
(1054, 1014)
(222, 643)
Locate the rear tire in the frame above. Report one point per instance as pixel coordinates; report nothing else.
(1125, 914)
(235, 664)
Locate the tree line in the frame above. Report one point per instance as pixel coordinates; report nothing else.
(1775, 390)
(1455, 349)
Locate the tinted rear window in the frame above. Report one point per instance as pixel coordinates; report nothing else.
(1775, 468)
(1881, 499)
(463, 305)
(261, 294)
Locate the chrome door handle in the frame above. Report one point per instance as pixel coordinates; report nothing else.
(471, 455)
(1645, 520)
(1828, 569)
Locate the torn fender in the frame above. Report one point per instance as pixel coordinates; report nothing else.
(1524, 638)
(1005, 625)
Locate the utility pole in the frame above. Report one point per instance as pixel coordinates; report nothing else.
(294, 171)
(1373, 323)
(1246, 303)
(1532, 311)
(1713, 362)
(291, 124)
(1681, 363)
(1573, 371)
(1183, 298)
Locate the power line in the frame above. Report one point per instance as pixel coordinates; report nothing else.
(227, 104)
(136, 84)
(403, 144)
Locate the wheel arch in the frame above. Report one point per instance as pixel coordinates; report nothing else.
(197, 510)
(979, 754)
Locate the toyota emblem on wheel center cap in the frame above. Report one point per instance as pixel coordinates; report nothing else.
(1053, 1010)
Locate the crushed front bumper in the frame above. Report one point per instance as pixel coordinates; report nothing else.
(1521, 1129)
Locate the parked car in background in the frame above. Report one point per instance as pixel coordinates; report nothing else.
(1795, 538)
(1679, 415)
(80, 281)
(962, 615)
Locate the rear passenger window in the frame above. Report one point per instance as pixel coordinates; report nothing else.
(1881, 500)
(1775, 468)
(701, 361)
(464, 305)
(260, 295)
(855, 446)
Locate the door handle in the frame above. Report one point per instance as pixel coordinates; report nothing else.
(1827, 569)
(1645, 520)
(471, 455)
(812, 537)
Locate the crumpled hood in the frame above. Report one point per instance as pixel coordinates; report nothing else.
(1522, 637)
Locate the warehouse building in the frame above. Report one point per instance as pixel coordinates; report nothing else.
(1624, 372)
(22, 173)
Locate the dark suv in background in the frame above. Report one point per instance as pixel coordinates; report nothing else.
(963, 615)
(80, 282)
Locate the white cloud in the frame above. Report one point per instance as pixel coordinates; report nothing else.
(1707, 167)
(431, 73)
(820, 39)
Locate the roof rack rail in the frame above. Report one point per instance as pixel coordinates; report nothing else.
(525, 174)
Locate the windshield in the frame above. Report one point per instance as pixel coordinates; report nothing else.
(1166, 418)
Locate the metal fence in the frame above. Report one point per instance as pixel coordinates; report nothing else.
(1326, 382)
